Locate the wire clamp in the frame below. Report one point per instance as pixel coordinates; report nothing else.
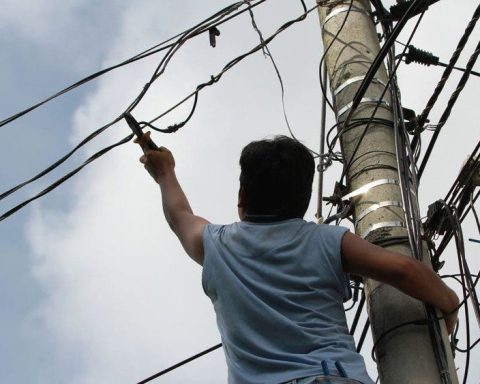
(374, 207)
(213, 32)
(355, 79)
(343, 9)
(368, 186)
(385, 224)
(365, 100)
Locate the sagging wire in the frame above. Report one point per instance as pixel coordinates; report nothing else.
(97, 132)
(142, 55)
(159, 70)
(268, 54)
(64, 178)
(235, 61)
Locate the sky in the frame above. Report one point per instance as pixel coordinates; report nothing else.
(94, 288)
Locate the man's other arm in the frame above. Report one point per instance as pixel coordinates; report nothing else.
(178, 213)
(412, 277)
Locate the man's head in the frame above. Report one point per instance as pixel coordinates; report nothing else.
(276, 178)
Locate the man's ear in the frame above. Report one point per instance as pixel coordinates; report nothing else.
(241, 198)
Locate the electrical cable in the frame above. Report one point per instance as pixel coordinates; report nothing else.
(474, 73)
(321, 163)
(380, 57)
(448, 109)
(94, 134)
(159, 70)
(268, 54)
(183, 362)
(363, 335)
(448, 70)
(362, 89)
(64, 178)
(357, 314)
(238, 59)
(144, 54)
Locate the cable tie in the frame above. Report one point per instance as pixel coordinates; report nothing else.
(365, 100)
(368, 186)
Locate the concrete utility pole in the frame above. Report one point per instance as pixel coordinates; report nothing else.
(405, 355)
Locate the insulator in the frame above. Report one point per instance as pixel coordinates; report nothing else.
(420, 56)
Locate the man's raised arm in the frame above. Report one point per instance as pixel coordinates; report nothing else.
(187, 226)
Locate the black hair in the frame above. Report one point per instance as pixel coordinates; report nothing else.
(276, 177)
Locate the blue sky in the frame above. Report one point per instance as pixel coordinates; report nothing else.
(93, 287)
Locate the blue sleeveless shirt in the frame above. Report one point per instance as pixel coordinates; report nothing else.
(277, 290)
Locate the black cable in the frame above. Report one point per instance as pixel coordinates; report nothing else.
(175, 366)
(448, 109)
(463, 178)
(468, 286)
(175, 127)
(357, 314)
(466, 350)
(59, 161)
(142, 55)
(381, 56)
(268, 54)
(360, 92)
(163, 62)
(363, 335)
(54, 185)
(238, 59)
(448, 236)
(160, 68)
(474, 73)
(446, 74)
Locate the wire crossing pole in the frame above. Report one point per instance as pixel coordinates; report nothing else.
(405, 355)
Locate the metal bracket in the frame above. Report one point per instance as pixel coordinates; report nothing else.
(374, 207)
(385, 224)
(355, 79)
(339, 10)
(368, 186)
(365, 100)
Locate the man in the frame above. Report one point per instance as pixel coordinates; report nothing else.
(277, 281)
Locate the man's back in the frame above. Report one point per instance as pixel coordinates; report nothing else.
(277, 289)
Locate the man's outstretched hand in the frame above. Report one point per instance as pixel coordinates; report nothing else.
(158, 163)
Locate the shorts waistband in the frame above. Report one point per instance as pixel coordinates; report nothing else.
(331, 370)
